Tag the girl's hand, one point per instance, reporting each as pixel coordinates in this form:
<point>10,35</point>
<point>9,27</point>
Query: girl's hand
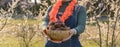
<point>72,32</point>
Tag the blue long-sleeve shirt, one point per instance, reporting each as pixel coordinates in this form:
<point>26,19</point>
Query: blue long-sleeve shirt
<point>80,18</point>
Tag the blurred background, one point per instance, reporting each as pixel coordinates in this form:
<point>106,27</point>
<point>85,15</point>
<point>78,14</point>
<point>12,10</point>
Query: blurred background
<point>21,20</point>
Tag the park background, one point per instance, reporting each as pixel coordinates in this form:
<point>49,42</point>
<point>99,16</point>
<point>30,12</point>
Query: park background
<point>21,23</point>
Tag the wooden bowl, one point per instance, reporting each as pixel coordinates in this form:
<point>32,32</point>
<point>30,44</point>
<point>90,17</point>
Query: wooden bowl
<point>57,35</point>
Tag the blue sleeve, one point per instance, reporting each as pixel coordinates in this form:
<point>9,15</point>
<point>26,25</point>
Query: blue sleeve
<point>81,19</point>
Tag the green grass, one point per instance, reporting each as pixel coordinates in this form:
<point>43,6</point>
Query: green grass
<point>29,21</point>
<point>9,40</point>
<point>12,41</point>
<point>90,43</point>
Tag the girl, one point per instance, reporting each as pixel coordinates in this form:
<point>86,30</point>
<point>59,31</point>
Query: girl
<point>73,15</point>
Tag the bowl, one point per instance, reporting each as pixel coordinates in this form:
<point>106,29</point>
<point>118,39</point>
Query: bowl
<point>57,35</point>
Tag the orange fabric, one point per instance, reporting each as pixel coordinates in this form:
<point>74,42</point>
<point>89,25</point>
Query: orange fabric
<point>67,13</point>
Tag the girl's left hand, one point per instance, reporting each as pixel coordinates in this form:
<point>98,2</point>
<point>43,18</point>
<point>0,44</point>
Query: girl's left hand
<point>72,32</point>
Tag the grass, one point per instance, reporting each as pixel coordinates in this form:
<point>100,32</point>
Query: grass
<point>9,39</point>
<point>29,21</point>
<point>12,41</point>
